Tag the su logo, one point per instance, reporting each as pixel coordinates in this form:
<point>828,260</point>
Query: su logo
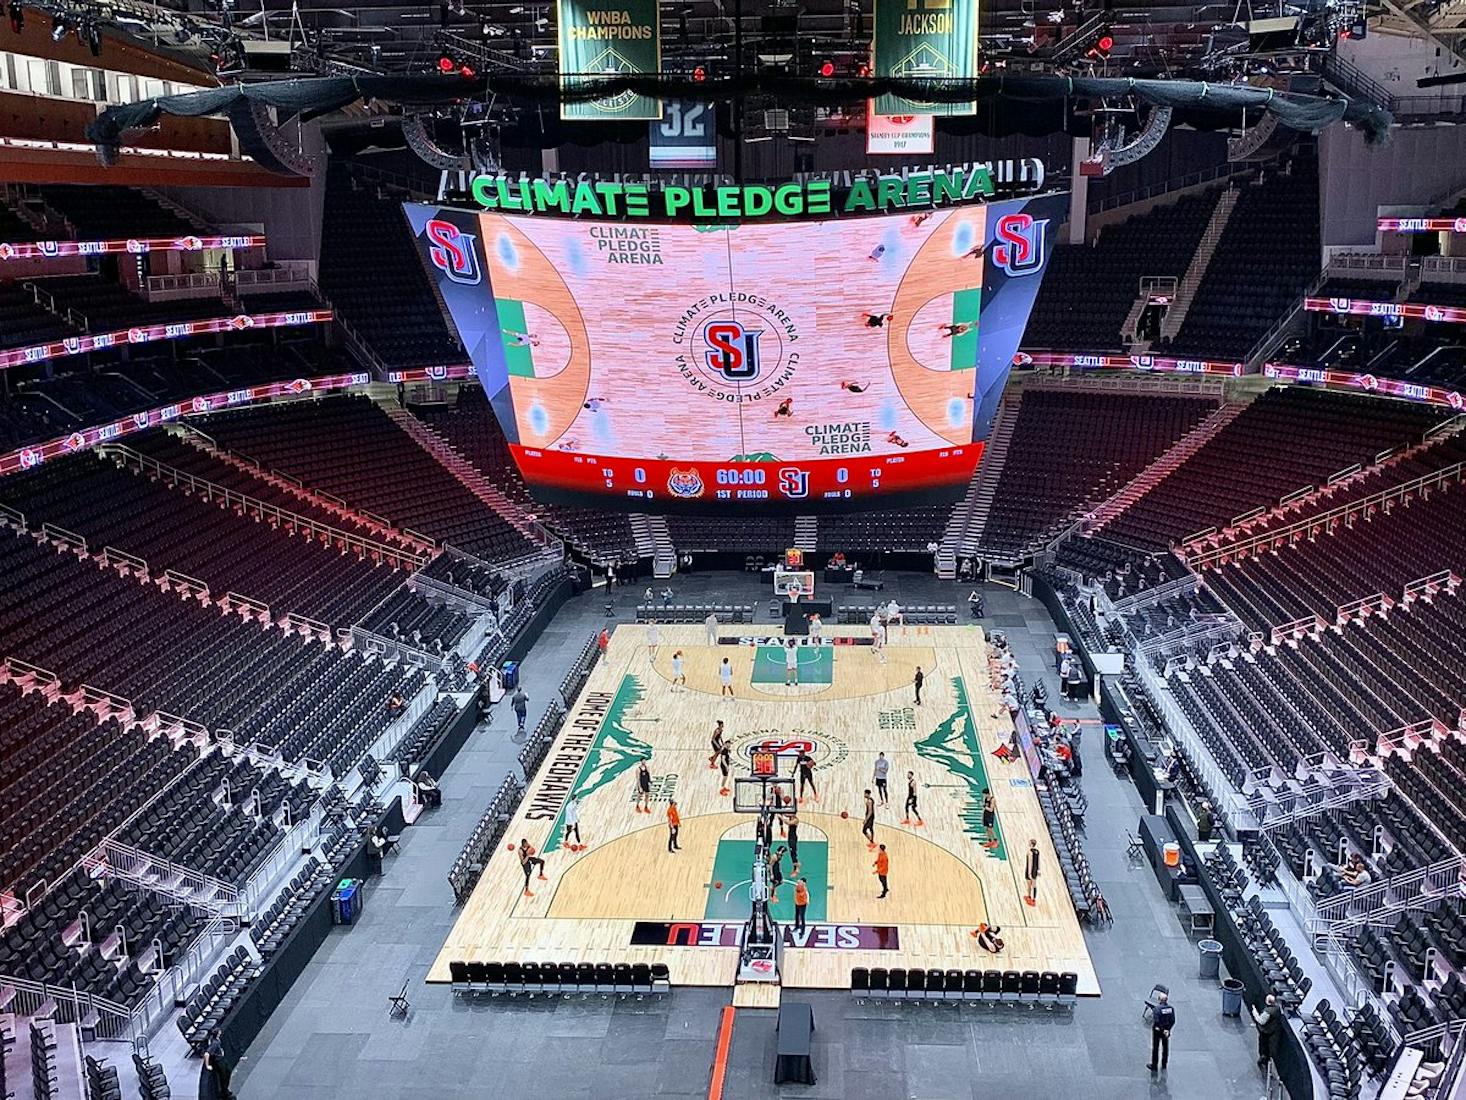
<point>1018,243</point>
<point>452,252</point>
<point>732,350</point>
<point>794,482</point>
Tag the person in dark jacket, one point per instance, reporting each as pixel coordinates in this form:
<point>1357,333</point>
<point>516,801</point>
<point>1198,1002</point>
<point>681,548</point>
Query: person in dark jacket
<point>1269,1020</point>
<point>1205,823</point>
<point>215,1072</point>
<point>1030,873</point>
<point>1161,1023</point>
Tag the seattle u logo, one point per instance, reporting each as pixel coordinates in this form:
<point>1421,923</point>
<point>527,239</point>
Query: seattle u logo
<point>732,350</point>
<point>452,252</point>
<point>1019,244</point>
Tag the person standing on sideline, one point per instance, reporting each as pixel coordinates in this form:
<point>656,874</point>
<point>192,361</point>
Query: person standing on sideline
<point>989,818</point>
<point>868,825</point>
<point>521,706</point>
<point>572,825</point>
<point>1161,1023</point>
<point>1030,872</point>
<point>603,641</point>
<point>643,787</point>
<point>1205,823</point>
<point>791,664</point>
<point>725,674</point>
<point>1269,1022</point>
<point>725,765</point>
<point>806,776</point>
<point>653,637</point>
<point>674,822</point>
<point>711,622</point>
<point>679,675</point>
<point>917,681</point>
<point>529,861</point>
<point>717,743</point>
<point>882,772</point>
<point>883,869</point>
<point>792,823</point>
<point>911,810</point>
<point>801,903</point>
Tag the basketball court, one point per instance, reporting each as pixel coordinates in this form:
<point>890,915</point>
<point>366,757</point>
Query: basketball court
<point>626,898</point>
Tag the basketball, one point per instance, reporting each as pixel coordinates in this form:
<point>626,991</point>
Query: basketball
<point>508,847</point>
<point>844,814</point>
<point>717,886</point>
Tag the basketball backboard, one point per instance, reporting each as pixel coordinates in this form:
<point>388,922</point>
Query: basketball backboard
<point>752,792</point>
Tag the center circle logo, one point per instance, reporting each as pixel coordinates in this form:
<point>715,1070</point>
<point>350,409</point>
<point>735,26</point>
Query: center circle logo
<point>736,347</point>
<point>826,749</point>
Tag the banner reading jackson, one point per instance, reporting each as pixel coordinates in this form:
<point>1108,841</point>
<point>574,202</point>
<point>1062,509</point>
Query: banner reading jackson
<point>609,38</point>
<point>925,40</point>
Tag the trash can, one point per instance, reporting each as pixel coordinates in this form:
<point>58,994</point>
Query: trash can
<point>1231,997</point>
<point>346,901</point>
<point>510,673</point>
<point>1211,958</point>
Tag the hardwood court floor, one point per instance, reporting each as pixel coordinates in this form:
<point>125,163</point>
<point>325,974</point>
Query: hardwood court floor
<point>943,880</point>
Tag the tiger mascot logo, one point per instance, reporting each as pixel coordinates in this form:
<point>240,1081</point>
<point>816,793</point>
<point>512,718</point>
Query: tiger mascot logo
<point>684,483</point>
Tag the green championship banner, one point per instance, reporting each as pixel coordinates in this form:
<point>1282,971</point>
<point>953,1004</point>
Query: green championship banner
<point>609,38</point>
<point>924,40</point>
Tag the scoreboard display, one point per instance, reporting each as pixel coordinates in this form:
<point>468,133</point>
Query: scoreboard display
<point>804,365</point>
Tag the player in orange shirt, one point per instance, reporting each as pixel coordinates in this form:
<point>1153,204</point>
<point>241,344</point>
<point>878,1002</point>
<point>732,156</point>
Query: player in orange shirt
<point>674,822</point>
<point>801,903</point>
<point>883,868</point>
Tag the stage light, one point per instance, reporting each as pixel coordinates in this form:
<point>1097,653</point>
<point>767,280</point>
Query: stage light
<point>467,71</point>
<point>699,74</point>
<point>60,29</point>
<point>864,69</point>
<point>827,68</point>
<point>446,64</point>
<point>1105,44</point>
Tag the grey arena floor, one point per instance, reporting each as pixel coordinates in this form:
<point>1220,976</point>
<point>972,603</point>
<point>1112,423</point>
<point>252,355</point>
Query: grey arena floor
<point>332,1037</point>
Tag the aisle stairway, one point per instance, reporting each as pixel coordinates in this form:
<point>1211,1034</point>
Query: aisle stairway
<point>1162,467</point>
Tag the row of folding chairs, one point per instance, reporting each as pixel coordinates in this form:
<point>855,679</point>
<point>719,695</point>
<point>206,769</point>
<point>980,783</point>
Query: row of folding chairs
<point>472,978</point>
<point>1013,986</point>
<point>914,615</point>
<point>694,612</point>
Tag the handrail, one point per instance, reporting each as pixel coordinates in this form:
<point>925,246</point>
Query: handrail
<point>12,517</point>
<point>114,1020</point>
<point>1219,555</point>
<point>185,582</point>
<point>1424,884</point>
<point>61,534</point>
<point>364,547</point>
<point>111,555</point>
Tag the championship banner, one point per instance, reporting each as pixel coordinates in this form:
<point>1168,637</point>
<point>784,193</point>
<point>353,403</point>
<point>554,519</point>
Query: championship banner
<point>609,38</point>
<point>899,135</point>
<point>924,40</point>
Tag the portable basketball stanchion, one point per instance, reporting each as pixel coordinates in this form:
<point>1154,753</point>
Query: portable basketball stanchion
<point>760,954</point>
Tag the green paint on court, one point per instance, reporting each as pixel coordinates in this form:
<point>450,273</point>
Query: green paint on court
<point>733,867</point>
<point>966,306</point>
<point>954,744</point>
<point>520,359</point>
<point>614,751</point>
<point>816,664</point>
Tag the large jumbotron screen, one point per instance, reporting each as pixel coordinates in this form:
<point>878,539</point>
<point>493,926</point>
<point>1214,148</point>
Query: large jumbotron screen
<point>808,364</point>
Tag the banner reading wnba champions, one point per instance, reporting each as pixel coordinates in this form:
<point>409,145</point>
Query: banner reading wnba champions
<point>609,38</point>
<point>924,40</point>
